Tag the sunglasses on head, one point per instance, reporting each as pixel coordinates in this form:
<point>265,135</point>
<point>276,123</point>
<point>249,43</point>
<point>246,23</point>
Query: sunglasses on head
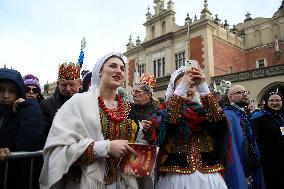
<point>137,91</point>
<point>241,93</point>
<point>34,90</point>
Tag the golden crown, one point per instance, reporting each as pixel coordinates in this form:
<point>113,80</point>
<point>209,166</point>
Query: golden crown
<point>69,71</point>
<point>147,79</point>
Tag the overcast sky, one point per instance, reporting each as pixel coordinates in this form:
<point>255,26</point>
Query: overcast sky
<point>37,35</point>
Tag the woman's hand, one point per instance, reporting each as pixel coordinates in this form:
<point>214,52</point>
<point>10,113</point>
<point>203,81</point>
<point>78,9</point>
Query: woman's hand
<point>146,125</point>
<point>16,104</point>
<point>120,148</point>
<point>4,152</point>
<point>129,171</point>
<point>197,75</point>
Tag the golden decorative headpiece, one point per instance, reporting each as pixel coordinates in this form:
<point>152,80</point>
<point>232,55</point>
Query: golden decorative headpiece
<point>147,80</point>
<point>69,71</point>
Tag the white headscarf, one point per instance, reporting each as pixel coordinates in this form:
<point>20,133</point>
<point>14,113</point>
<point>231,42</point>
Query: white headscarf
<point>170,89</point>
<point>98,66</point>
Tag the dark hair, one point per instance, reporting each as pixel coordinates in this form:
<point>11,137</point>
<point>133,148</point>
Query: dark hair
<point>86,82</point>
<point>40,97</point>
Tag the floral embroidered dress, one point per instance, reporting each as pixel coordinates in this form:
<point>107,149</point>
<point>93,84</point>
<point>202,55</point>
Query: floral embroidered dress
<point>192,145</point>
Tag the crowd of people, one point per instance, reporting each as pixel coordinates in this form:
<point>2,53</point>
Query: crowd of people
<point>205,140</point>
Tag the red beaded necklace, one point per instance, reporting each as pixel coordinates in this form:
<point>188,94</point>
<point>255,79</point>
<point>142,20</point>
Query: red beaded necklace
<point>110,115</point>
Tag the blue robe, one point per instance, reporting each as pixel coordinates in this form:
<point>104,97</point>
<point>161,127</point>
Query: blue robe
<point>234,169</point>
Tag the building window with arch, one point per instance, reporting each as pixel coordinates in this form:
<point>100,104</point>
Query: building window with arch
<point>180,59</point>
<point>141,69</point>
<point>261,63</point>
<point>163,27</point>
<point>159,67</point>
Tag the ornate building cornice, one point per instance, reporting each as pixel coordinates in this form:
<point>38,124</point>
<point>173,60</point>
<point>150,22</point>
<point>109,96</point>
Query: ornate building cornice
<point>251,74</point>
<point>157,18</point>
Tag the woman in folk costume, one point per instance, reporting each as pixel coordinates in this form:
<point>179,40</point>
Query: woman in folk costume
<point>90,133</point>
<point>190,136</point>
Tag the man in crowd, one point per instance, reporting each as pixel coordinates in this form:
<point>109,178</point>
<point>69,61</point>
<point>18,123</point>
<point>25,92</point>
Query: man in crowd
<point>144,105</point>
<point>143,97</point>
<point>21,128</point>
<point>243,168</point>
<point>68,84</point>
<point>145,108</point>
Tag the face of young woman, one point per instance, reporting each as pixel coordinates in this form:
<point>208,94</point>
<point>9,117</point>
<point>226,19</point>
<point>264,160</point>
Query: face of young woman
<point>191,91</point>
<point>112,73</point>
<point>275,102</point>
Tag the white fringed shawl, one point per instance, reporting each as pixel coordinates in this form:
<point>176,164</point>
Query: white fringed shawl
<point>75,126</point>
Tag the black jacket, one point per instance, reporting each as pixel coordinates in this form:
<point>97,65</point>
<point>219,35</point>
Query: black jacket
<point>49,108</point>
<point>271,146</point>
<point>21,131</point>
<point>146,112</point>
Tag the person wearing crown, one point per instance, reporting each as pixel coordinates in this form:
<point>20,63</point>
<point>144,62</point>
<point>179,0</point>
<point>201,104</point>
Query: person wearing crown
<point>91,132</point>
<point>268,125</point>
<point>144,105</point>
<point>191,136</point>
<point>145,108</point>
<point>68,84</point>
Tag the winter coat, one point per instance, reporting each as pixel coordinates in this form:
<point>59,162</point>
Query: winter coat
<point>21,131</point>
<point>49,108</point>
<point>267,126</point>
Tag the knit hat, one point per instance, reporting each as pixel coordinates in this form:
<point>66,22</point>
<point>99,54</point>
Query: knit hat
<point>30,79</point>
<point>98,66</point>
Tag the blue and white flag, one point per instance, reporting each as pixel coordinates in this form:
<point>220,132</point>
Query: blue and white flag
<point>81,56</point>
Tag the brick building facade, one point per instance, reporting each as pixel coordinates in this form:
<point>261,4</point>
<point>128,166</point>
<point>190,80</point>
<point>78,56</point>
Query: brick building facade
<point>248,53</point>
